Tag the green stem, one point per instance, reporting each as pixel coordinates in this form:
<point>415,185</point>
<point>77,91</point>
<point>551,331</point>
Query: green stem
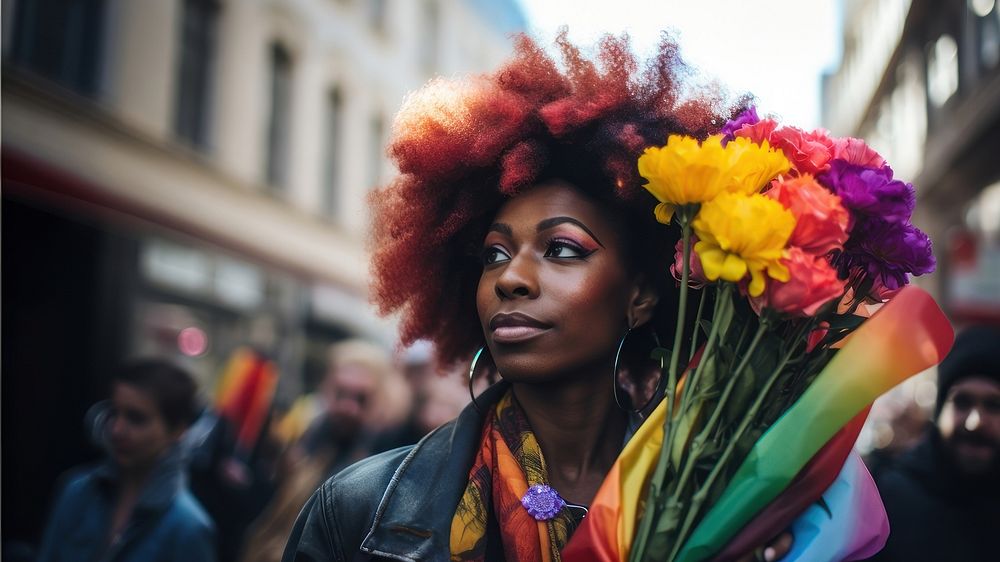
<point>675,353</point>
<point>697,324</point>
<point>699,498</point>
<point>698,444</point>
<point>651,508</point>
<point>722,304</point>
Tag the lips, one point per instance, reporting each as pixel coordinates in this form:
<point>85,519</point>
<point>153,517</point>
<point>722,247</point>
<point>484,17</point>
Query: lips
<point>515,327</point>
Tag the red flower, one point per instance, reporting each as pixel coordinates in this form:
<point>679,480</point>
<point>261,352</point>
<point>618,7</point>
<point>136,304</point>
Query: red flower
<point>810,153</point>
<point>813,283</point>
<point>758,132</point>
<point>820,218</point>
<point>696,276</point>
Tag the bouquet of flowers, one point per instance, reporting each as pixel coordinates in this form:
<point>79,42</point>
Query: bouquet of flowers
<point>799,247</point>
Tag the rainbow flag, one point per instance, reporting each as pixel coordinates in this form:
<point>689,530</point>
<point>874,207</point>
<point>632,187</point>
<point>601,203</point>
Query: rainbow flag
<point>244,395</point>
<point>905,336</point>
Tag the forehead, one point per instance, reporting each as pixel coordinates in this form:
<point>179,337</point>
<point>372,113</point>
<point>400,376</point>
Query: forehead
<point>976,385</point>
<point>552,199</point>
<point>353,376</point>
<point>124,394</point>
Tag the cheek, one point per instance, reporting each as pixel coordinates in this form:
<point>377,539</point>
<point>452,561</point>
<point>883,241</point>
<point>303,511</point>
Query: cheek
<point>946,421</point>
<point>596,300</point>
<point>485,296</point>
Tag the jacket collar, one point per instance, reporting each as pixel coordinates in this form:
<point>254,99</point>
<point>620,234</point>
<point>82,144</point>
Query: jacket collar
<point>413,519</point>
<point>165,481</point>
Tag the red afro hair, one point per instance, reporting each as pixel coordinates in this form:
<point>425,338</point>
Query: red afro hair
<point>465,146</point>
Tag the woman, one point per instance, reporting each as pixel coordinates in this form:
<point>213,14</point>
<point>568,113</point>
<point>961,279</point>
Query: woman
<point>136,505</point>
<point>518,225</point>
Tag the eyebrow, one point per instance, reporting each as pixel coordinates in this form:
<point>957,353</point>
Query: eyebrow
<point>506,230</point>
<point>555,221</point>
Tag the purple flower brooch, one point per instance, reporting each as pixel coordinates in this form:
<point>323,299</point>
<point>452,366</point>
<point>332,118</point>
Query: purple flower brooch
<point>542,502</point>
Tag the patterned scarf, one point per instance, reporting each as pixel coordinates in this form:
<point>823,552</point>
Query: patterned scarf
<point>508,463</point>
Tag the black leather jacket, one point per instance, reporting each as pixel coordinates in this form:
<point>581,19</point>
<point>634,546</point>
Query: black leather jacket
<point>397,505</point>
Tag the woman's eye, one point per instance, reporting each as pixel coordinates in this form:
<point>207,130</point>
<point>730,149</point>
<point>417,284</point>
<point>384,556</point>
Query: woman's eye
<point>493,255</point>
<point>559,249</point>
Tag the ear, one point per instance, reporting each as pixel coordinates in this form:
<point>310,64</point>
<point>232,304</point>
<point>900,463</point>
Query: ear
<point>642,303</point>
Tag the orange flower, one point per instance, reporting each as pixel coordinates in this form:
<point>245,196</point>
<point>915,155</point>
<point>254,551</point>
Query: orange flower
<point>812,283</point>
<point>820,219</point>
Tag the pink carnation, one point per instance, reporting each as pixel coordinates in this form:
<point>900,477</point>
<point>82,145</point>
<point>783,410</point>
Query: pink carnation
<point>856,152</point>
<point>758,132</point>
<point>820,218</point>
<point>813,283</point>
<point>696,276</point>
<point>810,153</point>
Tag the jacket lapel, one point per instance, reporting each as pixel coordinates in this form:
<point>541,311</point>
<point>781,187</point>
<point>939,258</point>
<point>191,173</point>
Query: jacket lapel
<point>413,520</point>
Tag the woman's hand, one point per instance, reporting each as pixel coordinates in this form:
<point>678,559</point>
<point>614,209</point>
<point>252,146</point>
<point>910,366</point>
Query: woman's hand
<point>775,550</point>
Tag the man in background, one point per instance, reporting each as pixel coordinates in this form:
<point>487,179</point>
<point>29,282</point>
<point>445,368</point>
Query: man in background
<point>943,496</point>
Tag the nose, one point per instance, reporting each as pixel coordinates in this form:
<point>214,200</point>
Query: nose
<point>518,279</point>
<point>116,426</point>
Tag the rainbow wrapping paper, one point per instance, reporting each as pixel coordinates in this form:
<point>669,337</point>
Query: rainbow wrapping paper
<point>907,335</point>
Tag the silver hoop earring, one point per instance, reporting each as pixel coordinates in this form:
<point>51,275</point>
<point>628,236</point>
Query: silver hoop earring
<point>614,369</point>
<point>614,375</point>
<point>472,375</point>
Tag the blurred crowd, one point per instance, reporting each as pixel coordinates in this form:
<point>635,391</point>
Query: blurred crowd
<point>225,481</point>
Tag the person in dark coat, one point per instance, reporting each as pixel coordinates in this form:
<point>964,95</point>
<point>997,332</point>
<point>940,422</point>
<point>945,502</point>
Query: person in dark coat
<point>136,505</point>
<point>943,496</point>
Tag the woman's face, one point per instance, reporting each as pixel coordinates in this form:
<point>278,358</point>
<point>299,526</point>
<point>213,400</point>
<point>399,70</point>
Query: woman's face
<point>140,435</point>
<point>554,294</point>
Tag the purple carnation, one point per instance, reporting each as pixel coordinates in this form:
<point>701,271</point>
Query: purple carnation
<point>747,117</point>
<point>889,250</point>
<point>870,191</point>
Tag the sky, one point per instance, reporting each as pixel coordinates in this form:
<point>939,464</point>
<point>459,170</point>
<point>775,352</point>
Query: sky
<point>775,49</point>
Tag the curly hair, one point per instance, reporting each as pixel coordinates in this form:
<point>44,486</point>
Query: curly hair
<point>463,147</point>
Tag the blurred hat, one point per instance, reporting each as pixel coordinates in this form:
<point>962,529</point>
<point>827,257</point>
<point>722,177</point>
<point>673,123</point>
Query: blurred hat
<point>976,353</point>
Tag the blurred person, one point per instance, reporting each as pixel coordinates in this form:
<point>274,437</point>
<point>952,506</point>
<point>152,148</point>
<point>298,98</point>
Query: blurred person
<point>437,399</point>
<point>355,380</point>
<point>234,465</point>
<point>350,392</point>
<point>943,496</point>
<point>908,426</point>
<point>136,506</point>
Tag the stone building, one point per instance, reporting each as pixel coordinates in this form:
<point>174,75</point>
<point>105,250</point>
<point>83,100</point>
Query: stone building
<point>184,177</point>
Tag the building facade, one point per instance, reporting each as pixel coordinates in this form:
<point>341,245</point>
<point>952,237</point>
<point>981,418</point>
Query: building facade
<point>185,177</point>
<point>920,81</point>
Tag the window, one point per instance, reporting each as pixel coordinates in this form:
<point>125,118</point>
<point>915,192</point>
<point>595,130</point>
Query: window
<point>197,58</point>
<point>987,25</point>
<point>431,32</point>
<point>942,70</point>
<point>332,150</point>
<point>375,151</point>
<point>61,40</point>
<point>279,121</point>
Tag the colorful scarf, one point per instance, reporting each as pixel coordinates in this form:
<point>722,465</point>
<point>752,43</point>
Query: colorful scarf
<point>509,461</point>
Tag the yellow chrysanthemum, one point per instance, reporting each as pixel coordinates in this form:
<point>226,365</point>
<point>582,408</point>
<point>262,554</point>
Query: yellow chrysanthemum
<point>685,172</point>
<point>740,234</point>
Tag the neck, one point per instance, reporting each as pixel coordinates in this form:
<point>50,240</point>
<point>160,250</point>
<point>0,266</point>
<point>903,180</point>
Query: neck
<point>580,431</point>
<point>134,478</point>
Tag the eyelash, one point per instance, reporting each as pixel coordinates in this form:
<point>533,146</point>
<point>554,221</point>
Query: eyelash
<point>582,253</point>
<point>550,246</point>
